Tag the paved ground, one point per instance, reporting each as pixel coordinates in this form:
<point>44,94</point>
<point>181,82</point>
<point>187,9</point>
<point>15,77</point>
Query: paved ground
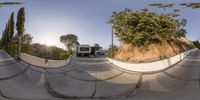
<point>86,78</point>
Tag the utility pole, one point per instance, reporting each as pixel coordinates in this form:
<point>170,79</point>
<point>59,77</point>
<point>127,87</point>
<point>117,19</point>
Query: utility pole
<point>112,42</point>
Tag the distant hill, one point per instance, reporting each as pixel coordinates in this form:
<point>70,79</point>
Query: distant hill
<point>153,52</point>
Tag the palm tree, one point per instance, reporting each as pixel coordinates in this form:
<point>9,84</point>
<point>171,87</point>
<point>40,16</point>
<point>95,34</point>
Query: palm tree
<point>10,3</point>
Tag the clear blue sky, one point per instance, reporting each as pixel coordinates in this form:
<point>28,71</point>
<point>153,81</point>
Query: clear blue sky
<point>47,20</point>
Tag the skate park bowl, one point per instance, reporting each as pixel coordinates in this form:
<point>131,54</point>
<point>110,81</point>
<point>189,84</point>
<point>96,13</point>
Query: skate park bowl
<point>89,78</point>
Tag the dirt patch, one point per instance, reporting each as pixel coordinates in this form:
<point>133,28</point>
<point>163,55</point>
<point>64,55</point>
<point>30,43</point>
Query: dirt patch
<point>153,52</point>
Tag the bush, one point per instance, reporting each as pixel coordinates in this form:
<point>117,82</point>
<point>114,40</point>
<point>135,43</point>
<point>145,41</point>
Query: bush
<point>13,49</point>
<point>64,55</point>
<point>197,44</point>
<point>109,52</point>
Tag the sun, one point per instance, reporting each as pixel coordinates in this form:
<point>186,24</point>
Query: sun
<point>48,42</point>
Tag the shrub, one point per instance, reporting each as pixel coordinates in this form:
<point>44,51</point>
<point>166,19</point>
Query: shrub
<point>197,44</point>
<point>64,55</point>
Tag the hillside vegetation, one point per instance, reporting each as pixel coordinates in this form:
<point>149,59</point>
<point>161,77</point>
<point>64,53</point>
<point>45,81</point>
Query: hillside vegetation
<point>153,52</point>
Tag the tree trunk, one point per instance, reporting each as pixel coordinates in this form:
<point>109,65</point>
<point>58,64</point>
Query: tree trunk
<point>19,48</point>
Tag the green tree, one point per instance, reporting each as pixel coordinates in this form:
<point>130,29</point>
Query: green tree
<point>0,43</point>
<point>26,43</point>
<point>197,44</point>
<point>70,41</point>
<point>112,51</point>
<point>141,28</point>
<point>26,39</point>
<point>96,45</point>
<point>12,26</point>
<point>20,26</point>
<point>5,37</point>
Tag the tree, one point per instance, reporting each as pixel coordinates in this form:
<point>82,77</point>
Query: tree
<point>27,39</point>
<point>112,51</point>
<point>141,28</point>
<point>70,41</point>
<point>12,26</point>
<point>197,44</point>
<point>96,45</point>
<point>20,26</point>
<point>7,36</point>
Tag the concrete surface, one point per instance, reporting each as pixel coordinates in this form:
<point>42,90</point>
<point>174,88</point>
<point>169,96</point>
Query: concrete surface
<point>98,79</point>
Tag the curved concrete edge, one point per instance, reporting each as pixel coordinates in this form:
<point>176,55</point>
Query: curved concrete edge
<point>6,58</point>
<point>152,66</point>
<point>40,62</point>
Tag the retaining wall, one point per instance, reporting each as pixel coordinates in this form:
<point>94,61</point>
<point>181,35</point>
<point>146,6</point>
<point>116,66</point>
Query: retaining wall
<point>40,62</point>
<point>152,66</point>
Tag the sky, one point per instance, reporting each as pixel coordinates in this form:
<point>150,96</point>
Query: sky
<point>47,20</point>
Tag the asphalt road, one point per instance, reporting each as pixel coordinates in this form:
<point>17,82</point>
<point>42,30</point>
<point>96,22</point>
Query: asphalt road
<point>91,78</point>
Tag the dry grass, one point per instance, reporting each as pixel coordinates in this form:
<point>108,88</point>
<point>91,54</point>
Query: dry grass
<point>131,53</point>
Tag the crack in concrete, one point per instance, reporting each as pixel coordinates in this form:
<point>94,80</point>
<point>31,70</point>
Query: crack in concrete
<point>95,88</point>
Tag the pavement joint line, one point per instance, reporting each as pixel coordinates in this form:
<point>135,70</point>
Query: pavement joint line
<point>31,68</point>
<point>56,94</point>
<point>15,75</point>
<point>9,64</point>
<point>96,80</point>
<point>16,61</point>
<point>123,70</point>
<point>134,91</point>
<point>181,79</point>
<point>199,78</point>
<point>95,88</point>
<point>13,98</point>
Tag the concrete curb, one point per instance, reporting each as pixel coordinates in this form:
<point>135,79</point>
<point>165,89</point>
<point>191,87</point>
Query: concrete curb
<point>47,67</point>
<point>155,66</point>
